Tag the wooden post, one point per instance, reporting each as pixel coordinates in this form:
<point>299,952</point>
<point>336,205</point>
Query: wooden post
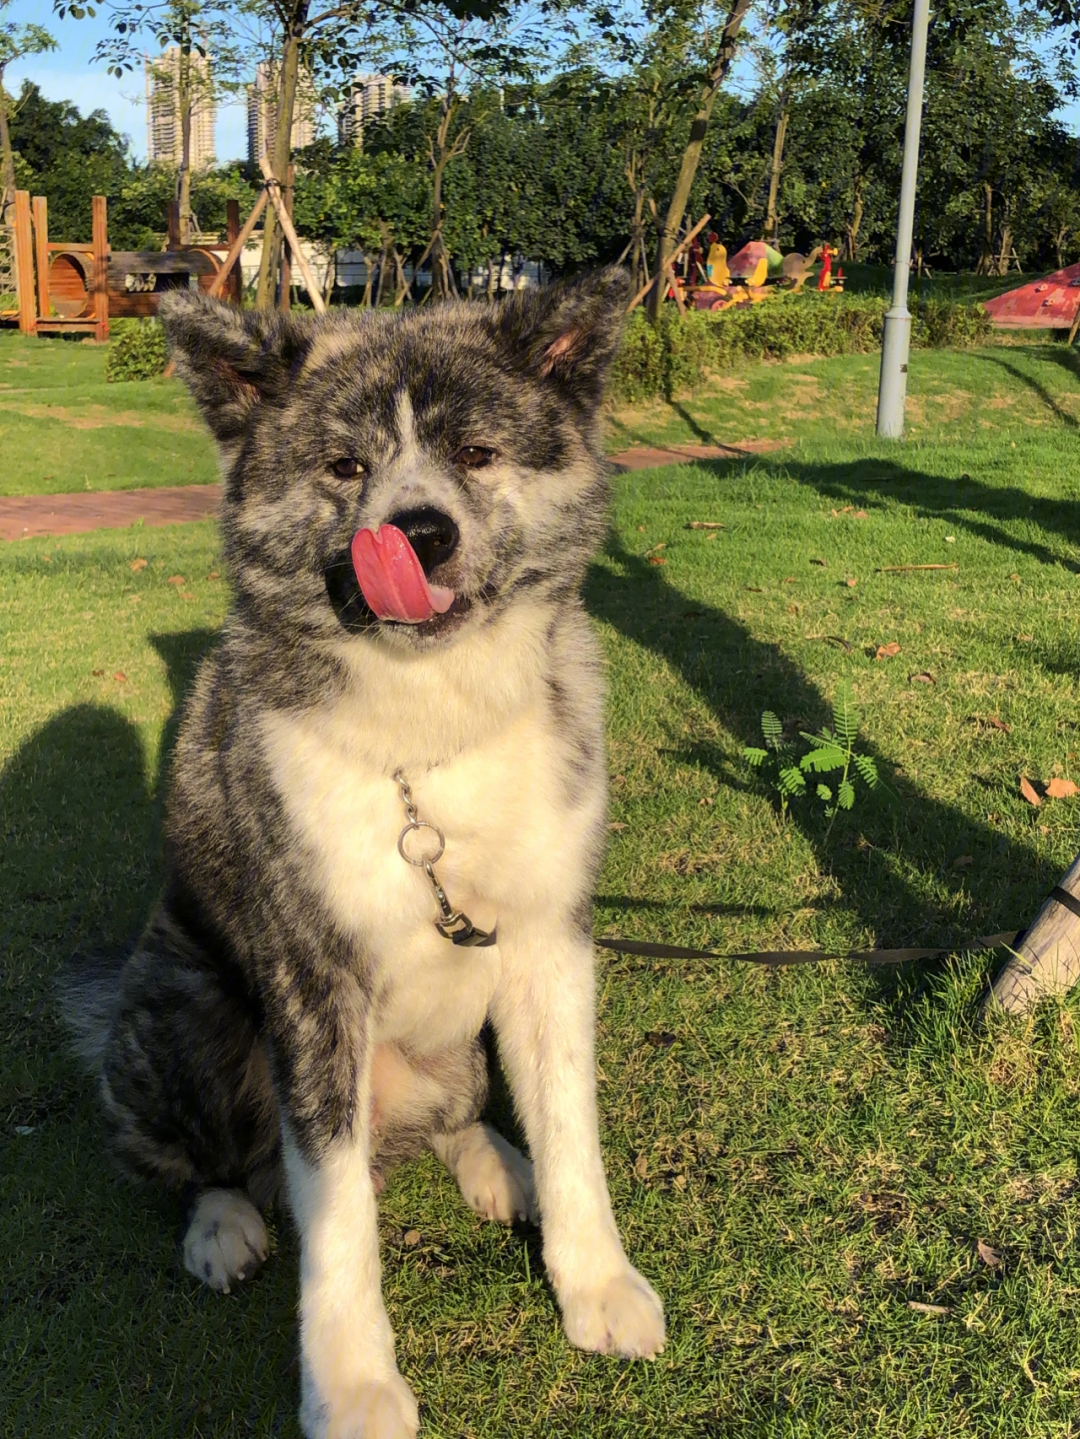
<point>1047,961</point>
<point>24,263</point>
<point>100,239</point>
<point>285,292</point>
<point>40,208</point>
<point>172,220</point>
<point>235,282</point>
<point>232,259</point>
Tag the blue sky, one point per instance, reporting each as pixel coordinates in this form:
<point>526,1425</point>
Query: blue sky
<point>68,74</point>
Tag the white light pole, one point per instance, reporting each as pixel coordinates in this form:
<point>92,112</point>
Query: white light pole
<point>892,387</point>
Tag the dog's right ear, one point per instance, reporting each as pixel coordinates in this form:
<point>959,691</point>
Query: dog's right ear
<point>233,361</point>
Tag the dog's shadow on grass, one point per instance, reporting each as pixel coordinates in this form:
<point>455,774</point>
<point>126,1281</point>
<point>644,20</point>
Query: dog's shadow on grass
<point>80,817</point>
<point>906,845</point>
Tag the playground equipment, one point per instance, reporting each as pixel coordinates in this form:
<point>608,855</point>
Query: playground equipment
<point>76,288</point>
<point>66,288</point>
<point>1052,303</point>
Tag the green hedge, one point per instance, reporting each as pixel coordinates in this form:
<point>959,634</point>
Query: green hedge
<point>682,351</point>
<point>137,350</point>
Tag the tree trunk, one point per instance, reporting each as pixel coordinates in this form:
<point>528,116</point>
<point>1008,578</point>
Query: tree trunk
<point>442,150</point>
<point>282,156</point>
<point>1006,246</point>
<point>856,219</point>
<point>718,69</point>
<point>986,258</point>
<point>7,159</point>
<point>183,178</point>
<point>1047,960</point>
<point>772,217</point>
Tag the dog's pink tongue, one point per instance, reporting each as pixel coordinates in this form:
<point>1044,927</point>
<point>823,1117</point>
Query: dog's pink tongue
<point>392,578</point>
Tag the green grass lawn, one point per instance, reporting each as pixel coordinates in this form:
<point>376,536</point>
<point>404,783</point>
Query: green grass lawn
<point>62,428</point>
<point>796,1157</point>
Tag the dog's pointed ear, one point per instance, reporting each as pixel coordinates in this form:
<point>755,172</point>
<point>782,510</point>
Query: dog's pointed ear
<point>569,333</point>
<point>233,361</point>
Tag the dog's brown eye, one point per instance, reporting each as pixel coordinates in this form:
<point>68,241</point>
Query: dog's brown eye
<point>347,469</point>
<point>474,457</point>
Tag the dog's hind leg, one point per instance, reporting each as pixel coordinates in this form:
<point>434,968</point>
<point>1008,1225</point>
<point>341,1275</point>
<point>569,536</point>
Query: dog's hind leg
<point>226,1240</point>
<point>495,1179</point>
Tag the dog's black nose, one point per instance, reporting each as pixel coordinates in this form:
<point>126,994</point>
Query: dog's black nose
<point>432,534</point>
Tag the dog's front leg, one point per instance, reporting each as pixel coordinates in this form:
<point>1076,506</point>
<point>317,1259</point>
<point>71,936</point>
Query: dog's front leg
<point>543,1014</point>
<point>350,1385</point>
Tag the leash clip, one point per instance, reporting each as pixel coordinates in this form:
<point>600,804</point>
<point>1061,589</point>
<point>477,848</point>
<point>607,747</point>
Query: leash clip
<point>453,924</point>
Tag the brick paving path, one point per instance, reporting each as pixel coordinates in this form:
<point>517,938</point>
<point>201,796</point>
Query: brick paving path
<point>24,516</point>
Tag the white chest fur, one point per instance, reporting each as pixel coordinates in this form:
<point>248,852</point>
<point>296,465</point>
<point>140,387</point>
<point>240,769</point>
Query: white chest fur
<point>515,840</point>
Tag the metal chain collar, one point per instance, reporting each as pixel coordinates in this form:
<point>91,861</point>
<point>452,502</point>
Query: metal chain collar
<point>452,924</point>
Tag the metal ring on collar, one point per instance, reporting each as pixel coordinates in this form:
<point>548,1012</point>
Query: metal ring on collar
<point>427,859</point>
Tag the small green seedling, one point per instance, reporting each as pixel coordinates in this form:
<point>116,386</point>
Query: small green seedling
<point>833,751</point>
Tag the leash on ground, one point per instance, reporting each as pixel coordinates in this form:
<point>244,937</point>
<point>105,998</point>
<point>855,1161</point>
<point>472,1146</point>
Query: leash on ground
<point>777,958</point>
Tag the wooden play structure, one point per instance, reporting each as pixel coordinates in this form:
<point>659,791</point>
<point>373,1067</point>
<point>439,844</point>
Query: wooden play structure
<point>72,288</point>
<point>68,287</point>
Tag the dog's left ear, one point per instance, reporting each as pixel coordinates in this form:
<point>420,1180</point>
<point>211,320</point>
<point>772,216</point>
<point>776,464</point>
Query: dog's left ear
<point>568,333</point>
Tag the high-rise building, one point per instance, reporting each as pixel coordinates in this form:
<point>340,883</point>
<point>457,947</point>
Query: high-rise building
<point>369,95</point>
<point>164,134</point>
<point>262,105</point>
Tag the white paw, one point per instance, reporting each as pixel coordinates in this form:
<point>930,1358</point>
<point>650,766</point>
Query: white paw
<point>496,1180</point>
<point>226,1239</point>
<point>623,1316</point>
<point>379,1410</point>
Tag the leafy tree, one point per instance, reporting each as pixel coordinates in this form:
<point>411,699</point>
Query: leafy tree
<point>16,41</point>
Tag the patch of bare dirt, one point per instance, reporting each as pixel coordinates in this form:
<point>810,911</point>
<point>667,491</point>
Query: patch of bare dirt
<point>98,417</point>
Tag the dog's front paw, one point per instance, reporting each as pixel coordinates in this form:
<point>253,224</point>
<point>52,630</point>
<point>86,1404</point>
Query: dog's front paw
<point>382,1409</point>
<point>623,1316</point>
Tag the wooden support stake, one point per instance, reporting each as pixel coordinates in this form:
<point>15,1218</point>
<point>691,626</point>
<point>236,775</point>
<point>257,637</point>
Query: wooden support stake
<point>679,248</point>
<point>273,187</point>
<point>237,245</point>
<point>24,263</point>
<point>40,207</point>
<point>100,236</point>
<point>232,230</point>
<point>285,283</point>
<point>1048,959</point>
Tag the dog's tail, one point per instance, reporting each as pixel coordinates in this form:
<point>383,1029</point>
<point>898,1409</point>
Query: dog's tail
<point>88,994</point>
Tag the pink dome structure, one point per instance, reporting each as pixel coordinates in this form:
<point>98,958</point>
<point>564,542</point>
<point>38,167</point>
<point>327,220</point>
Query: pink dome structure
<point>1049,304</point>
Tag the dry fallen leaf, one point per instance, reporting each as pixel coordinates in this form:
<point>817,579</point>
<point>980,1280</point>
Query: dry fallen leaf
<point>657,560</point>
<point>653,548</point>
<point>213,575</point>
<point>851,584</point>
<point>706,525</point>
<point>962,861</point>
<point>1029,792</point>
<point>641,529</point>
<point>990,1257</point>
<point>924,677</point>
<point>616,824</point>
<point>706,800</point>
<point>411,1237</point>
<point>790,580</point>
<point>1025,639</point>
<point>928,1308</point>
<point>1014,577</point>
<point>679,1181</point>
<point>138,564</point>
<point>861,515</point>
<point>999,724</point>
<point>641,1166</point>
<point>175,580</point>
<point>121,677</point>
<point>754,589</point>
<point>886,652</point>
<point>1061,788</point>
